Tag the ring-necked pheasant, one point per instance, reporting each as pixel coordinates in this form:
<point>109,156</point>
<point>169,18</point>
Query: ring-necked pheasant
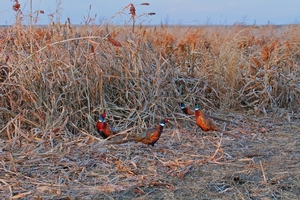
<point>206,123</point>
<point>103,127</point>
<point>188,111</point>
<point>149,136</point>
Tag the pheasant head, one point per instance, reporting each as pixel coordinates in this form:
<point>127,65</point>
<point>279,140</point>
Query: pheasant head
<point>102,117</point>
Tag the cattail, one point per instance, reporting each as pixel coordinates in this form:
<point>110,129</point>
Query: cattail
<point>145,4</point>
<point>92,49</point>
<point>265,53</point>
<point>16,6</point>
<point>42,12</point>
<point>151,13</point>
<point>132,10</point>
<point>114,42</point>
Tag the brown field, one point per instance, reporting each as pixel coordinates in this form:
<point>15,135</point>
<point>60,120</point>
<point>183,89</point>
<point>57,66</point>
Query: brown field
<point>56,80</point>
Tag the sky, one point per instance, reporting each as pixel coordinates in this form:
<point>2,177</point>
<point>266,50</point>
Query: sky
<point>171,12</point>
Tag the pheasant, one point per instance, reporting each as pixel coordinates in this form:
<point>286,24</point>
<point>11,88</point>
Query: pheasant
<point>206,123</point>
<point>149,137</point>
<point>188,111</point>
<point>103,127</point>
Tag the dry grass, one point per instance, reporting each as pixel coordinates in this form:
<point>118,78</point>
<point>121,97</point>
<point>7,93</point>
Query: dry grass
<point>56,81</point>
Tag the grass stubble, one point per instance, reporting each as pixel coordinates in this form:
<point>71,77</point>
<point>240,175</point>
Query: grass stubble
<point>57,80</point>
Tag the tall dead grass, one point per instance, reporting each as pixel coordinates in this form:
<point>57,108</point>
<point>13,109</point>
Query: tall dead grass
<point>140,77</point>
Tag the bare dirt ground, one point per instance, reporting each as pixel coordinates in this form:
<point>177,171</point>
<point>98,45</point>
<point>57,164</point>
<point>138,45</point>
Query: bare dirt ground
<point>263,163</point>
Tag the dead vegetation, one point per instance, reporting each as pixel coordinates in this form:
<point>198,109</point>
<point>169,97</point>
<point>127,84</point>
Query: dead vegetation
<point>56,81</point>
